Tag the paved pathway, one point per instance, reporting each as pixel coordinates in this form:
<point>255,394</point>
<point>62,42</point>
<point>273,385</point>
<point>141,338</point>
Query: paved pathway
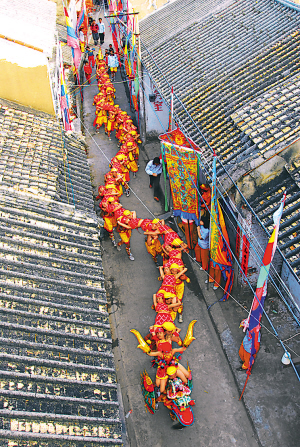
<point>220,419</point>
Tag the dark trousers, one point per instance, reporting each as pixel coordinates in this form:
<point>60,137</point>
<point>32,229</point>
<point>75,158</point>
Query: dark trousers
<point>101,35</point>
<point>154,181</point>
<point>96,38</point>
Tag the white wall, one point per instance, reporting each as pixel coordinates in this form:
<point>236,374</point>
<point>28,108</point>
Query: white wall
<point>156,113</point>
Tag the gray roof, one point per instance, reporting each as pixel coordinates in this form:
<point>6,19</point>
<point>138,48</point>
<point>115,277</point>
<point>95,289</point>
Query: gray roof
<point>175,17</point>
<point>39,159</point>
<point>57,372</point>
<point>266,203</point>
<point>223,63</point>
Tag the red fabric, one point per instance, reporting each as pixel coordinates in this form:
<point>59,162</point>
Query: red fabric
<point>164,346</point>
<point>87,69</point>
<point>169,238</point>
<point>146,225</point>
<point>92,61</point>
<point>163,317</point>
<point>134,223</point>
<point>174,253</point>
<point>119,212</point>
<point>202,256</point>
<point>95,28</point>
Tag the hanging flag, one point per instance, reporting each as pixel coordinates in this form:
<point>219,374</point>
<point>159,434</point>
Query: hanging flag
<point>171,112</point>
<point>252,323</point>
<point>81,17</point>
<point>72,40</point>
<point>64,100</point>
<point>220,254</point>
<point>180,156</point>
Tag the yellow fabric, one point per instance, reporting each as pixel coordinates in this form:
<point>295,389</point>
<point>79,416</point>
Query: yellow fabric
<point>169,326</point>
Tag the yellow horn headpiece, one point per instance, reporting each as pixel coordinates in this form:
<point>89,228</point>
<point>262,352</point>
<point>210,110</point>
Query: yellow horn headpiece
<point>142,344</point>
<point>189,334</point>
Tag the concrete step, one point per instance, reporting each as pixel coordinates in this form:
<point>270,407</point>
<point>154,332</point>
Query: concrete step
<point>44,208</point>
<point>60,386</point>
<point>38,437</point>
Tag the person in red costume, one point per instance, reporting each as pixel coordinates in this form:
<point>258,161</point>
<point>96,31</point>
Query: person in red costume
<point>87,71</point>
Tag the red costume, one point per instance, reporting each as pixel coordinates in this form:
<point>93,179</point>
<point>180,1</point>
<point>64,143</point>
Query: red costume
<point>88,71</point>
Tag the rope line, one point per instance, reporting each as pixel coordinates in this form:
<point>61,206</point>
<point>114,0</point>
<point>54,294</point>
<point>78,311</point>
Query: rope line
<point>275,332</point>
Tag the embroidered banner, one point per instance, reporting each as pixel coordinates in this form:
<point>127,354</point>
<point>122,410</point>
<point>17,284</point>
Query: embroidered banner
<point>182,166</point>
<point>245,254</point>
<point>219,242</point>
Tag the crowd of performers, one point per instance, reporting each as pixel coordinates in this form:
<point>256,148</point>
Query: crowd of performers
<point>173,380</point>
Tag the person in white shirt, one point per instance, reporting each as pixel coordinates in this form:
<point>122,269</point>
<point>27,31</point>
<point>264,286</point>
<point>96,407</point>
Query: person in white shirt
<point>154,170</point>
<point>113,64</point>
<point>101,31</point>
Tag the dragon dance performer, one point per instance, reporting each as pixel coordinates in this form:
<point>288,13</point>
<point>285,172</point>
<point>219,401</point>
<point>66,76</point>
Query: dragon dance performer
<point>133,137</point>
<point>149,226</point>
<point>101,115</point>
<point>120,161</point>
<point>168,285</point>
<point>127,149</point>
<point>113,176</point>
<point>162,309</point>
<point>153,247</point>
<point>109,206</point>
<point>170,236</point>
<point>124,231</point>
<point>166,354</point>
<point>112,112</point>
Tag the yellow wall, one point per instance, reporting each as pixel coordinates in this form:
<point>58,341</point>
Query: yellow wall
<point>29,86</point>
<point>141,6</point>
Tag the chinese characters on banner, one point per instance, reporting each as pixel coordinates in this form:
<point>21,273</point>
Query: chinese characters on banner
<point>245,255</point>
<point>158,101</point>
<point>243,244</point>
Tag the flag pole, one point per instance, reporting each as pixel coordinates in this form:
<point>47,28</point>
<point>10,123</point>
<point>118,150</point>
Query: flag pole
<point>261,289</point>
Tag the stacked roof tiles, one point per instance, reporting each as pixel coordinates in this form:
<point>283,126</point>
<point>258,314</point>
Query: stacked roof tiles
<point>267,203</point>
<point>57,375</point>
<point>234,56</point>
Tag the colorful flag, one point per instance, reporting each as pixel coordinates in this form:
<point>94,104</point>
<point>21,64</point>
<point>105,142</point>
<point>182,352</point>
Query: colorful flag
<point>220,254</point>
<point>72,40</point>
<point>180,155</point>
<point>81,17</point>
<point>252,323</point>
<point>171,112</point>
<point>64,100</point>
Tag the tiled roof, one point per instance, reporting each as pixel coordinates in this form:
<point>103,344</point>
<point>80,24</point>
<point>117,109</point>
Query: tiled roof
<point>175,17</point>
<point>266,204</point>
<point>272,119</point>
<point>222,64</point>
<point>57,374</point>
<point>35,160</point>
<point>30,21</point>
